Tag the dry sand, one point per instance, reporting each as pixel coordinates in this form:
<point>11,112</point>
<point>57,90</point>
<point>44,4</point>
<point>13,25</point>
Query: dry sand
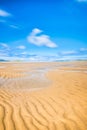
<point>43,96</point>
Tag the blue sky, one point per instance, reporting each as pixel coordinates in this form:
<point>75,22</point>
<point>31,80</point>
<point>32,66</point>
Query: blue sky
<point>43,30</point>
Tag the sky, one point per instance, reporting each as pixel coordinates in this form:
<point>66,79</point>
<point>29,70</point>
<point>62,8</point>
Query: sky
<point>43,30</point>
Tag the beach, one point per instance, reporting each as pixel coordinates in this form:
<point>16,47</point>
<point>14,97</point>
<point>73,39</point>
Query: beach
<point>43,96</point>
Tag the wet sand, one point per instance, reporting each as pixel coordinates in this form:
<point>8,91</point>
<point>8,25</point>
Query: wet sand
<point>43,96</point>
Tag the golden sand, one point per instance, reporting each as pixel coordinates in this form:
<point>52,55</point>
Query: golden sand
<point>43,96</point>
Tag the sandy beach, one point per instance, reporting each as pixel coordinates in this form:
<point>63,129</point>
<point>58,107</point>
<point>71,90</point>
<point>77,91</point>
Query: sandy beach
<point>43,96</point>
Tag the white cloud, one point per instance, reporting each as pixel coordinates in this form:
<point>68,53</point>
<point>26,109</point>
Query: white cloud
<point>21,47</point>
<point>83,49</point>
<point>3,13</point>
<point>6,14</point>
<point>36,31</point>
<point>81,0</point>
<point>68,52</point>
<point>41,40</point>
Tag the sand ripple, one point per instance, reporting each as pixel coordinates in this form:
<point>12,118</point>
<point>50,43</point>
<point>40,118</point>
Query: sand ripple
<point>60,106</point>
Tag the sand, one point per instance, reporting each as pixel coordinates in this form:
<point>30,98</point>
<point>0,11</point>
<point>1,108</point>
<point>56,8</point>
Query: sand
<point>43,96</point>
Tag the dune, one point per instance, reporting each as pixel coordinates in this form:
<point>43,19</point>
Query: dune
<point>43,96</point>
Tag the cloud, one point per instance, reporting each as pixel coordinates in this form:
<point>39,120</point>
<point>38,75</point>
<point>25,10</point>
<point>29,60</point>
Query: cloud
<point>41,40</point>
<point>21,47</point>
<point>83,49</point>
<point>4,51</point>
<point>81,0</point>
<point>3,13</point>
<point>68,52</point>
<point>4,46</point>
<point>14,26</point>
<point>72,58</point>
<point>27,56</point>
<point>2,54</point>
<point>38,58</point>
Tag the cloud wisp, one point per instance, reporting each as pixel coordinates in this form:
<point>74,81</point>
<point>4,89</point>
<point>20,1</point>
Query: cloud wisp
<point>4,46</point>
<point>3,13</point>
<point>83,49</point>
<point>21,47</point>
<point>39,39</point>
<point>14,26</point>
<point>69,52</point>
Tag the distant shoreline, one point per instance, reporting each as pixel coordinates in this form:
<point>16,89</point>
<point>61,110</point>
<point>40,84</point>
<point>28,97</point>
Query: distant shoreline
<point>2,61</point>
